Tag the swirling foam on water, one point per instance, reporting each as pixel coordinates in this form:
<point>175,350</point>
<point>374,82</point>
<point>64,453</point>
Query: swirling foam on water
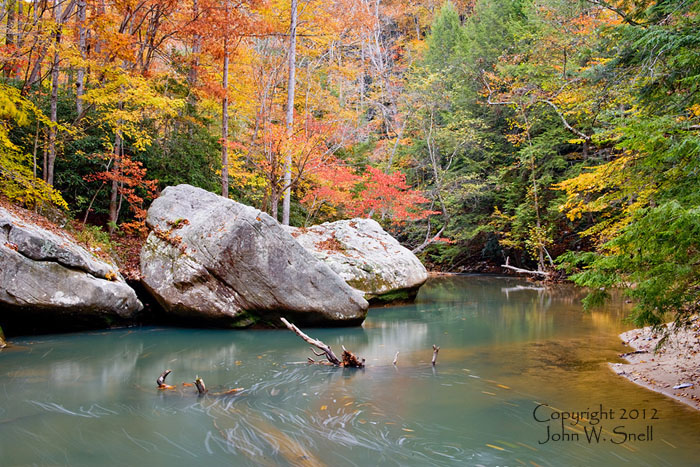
<point>90,398</point>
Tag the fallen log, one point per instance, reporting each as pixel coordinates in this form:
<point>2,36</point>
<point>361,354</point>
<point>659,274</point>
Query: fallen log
<point>349,359</point>
<point>524,271</point>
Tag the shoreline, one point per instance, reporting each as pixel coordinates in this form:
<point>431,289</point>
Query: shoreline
<point>676,363</point>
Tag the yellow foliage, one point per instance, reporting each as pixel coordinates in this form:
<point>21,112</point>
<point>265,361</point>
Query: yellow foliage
<point>17,180</point>
<point>610,191</point>
<point>501,221</point>
<point>125,101</point>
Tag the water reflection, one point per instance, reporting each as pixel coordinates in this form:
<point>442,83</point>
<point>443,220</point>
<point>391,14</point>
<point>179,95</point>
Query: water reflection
<point>505,346</point>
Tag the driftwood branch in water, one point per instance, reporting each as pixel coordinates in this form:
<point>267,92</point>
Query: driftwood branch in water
<point>349,360</point>
<point>524,271</point>
<point>161,380</point>
<point>328,353</point>
<point>396,358</point>
<point>436,349</point>
<point>199,383</point>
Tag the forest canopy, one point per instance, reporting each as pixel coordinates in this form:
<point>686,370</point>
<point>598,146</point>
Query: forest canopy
<point>558,136</point>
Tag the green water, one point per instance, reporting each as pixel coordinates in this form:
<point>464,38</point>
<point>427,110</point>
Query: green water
<point>90,398</point>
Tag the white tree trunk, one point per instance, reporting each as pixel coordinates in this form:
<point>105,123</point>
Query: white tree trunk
<point>290,112</point>
<point>224,123</point>
<point>80,80</point>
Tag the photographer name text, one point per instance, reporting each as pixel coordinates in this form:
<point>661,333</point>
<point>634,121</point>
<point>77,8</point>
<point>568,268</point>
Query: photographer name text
<point>600,425</point>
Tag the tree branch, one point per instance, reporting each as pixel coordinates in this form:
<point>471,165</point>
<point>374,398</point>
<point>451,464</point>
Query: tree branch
<point>566,124</point>
<point>315,342</point>
<point>427,242</point>
<point>617,11</point>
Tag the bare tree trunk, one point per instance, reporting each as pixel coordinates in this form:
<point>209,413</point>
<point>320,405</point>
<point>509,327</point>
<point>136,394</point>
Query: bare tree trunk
<point>113,208</point>
<point>196,49</point>
<point>101,10</point>
<point>362,80</point>
<point>36,69</point>
<point>533,173</point>
<point>224,127</point>
<point>80,80</point>
<point>291,82</point>
<point>396,145</point>
<point>437,169</point>
<point>20,35</point>
<point>54,110</point>
<point>9,35</point>
<point>37,64</point>
<point>60,16</point>
<point>274,204</point>
<point>20,24</point>
<point>36,146</point>
<point>45,153</point>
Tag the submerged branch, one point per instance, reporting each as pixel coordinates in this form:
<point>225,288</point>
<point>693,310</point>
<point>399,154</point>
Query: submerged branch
<point>161,380</point>
<point>315,342</point>
<point>201,388</point>
<point>351,361</point>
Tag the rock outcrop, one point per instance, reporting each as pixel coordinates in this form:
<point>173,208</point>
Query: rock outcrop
<point>45,272</point>
<point>213,259</point>
<point>366,257</point>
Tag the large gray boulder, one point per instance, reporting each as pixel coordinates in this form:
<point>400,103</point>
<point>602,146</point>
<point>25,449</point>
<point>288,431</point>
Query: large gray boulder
<point>47,272</point>
<point>213,259</point>
<point>366,257</point>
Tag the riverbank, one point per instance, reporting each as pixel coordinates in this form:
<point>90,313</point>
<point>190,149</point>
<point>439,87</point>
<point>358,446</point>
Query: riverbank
<point>670,369</point>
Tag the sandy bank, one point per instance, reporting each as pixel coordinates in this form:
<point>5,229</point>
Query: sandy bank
<point>667,370</point>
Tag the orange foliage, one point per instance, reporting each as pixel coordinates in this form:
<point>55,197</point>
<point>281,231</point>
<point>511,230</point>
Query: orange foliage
<point>373,193</point>
<point>133,186</point>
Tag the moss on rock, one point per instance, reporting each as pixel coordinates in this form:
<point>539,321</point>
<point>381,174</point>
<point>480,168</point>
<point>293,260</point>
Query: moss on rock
<point>394,297</point>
